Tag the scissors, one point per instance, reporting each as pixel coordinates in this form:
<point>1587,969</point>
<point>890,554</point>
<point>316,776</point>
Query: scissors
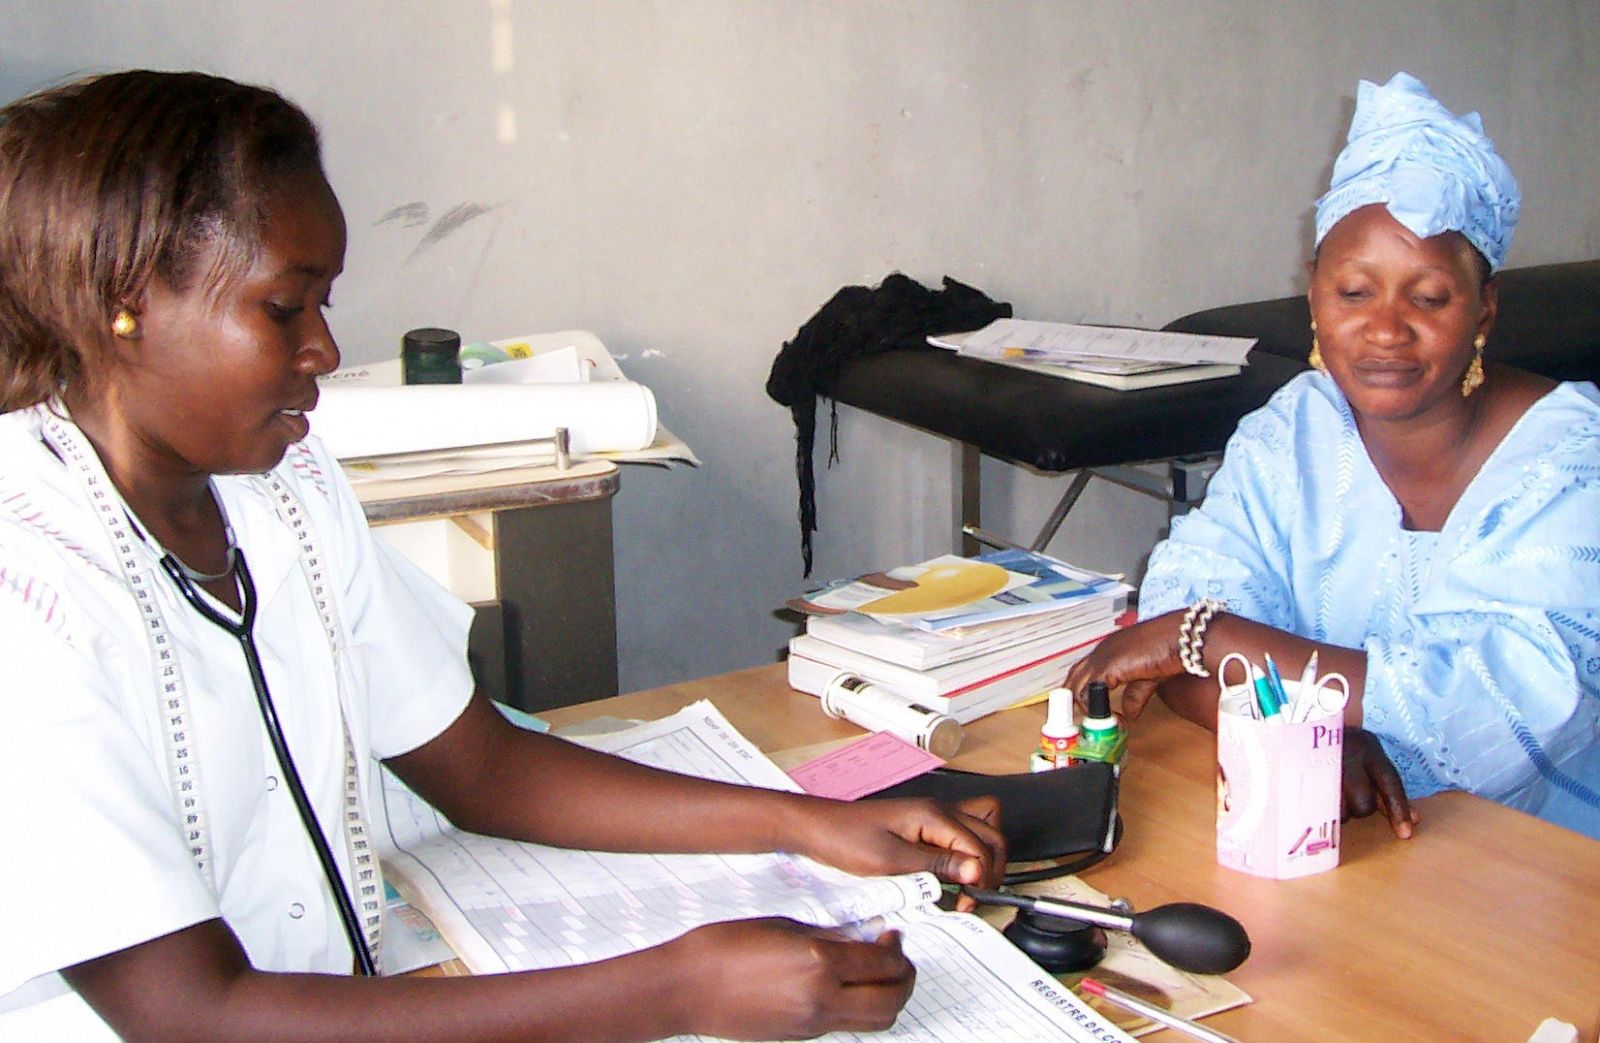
<point>1324,697</point>
<point>1240,698</point>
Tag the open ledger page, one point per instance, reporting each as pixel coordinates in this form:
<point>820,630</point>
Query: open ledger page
<point>507,905</point>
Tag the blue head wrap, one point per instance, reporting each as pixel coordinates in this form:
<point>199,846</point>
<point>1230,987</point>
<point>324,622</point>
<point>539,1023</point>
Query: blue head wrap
<point>1435,172</point>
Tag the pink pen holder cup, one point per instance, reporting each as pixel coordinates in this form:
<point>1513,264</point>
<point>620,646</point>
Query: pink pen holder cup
<point>1278,789</point>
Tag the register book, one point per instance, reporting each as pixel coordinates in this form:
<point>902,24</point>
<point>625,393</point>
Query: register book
<point>507,906</point>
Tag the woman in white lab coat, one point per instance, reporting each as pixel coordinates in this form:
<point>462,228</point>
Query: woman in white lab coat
<point>168,244</point>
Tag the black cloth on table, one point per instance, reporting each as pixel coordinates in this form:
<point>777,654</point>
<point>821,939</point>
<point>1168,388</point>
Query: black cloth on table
<point>860,320</point>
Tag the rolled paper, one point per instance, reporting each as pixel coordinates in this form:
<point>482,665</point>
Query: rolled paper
<point>362,421</point>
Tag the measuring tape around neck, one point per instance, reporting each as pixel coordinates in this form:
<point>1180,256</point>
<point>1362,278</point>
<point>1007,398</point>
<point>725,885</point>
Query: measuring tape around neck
<point>134,556</point>
<point>364,867</point>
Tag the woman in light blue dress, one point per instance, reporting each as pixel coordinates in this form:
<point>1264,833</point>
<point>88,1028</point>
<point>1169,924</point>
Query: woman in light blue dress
<point>1426,522</point>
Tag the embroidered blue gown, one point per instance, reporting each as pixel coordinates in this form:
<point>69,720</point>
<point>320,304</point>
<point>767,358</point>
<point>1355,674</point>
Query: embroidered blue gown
<point>1482,639</point>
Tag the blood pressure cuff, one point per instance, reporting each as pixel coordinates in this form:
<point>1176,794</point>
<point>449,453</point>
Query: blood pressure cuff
<point>1046,814</point>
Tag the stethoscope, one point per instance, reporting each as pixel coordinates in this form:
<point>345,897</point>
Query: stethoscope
<point>244,632</point>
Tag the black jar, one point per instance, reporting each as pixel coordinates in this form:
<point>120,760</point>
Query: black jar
<point>431,356</point>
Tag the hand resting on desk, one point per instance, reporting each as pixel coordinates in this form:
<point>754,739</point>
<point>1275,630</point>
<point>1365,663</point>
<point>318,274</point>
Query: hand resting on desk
<point>1145,659</point>
<point>1371,783</point>
<point>959,845</point>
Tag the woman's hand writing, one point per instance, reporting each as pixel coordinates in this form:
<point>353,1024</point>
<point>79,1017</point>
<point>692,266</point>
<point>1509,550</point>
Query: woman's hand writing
<point>778,979</point>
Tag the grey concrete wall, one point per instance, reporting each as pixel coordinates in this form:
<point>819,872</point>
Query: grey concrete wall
<point>692,179</point>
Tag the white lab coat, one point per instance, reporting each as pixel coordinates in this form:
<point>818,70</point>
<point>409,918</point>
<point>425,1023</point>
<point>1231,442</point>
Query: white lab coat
<point>95,860</point>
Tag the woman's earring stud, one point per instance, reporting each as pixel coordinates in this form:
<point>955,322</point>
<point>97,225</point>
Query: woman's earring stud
<point>124,324</point>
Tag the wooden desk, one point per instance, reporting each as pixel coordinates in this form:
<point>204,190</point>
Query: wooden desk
<point>1476,929</point>
<point>550,637</point>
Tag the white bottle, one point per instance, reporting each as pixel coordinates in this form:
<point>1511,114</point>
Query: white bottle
<point>1058,735</point>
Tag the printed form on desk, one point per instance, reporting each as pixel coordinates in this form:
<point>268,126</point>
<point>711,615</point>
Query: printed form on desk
<point>506,905</point>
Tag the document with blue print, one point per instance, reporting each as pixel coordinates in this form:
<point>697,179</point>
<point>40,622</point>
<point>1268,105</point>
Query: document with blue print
<point>507,906</point>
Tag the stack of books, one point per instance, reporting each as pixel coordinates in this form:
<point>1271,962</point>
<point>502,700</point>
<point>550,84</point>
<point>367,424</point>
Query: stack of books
<point>964,636</point>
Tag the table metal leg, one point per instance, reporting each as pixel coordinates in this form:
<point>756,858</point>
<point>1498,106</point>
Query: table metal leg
<point>969,485</point>
<point>1183,487</point>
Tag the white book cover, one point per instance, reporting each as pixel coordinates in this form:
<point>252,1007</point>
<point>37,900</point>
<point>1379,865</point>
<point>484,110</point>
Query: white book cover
<point>1131,380</point>
<point>813,663</point>
<point>952,677</point>
<point>924,650</point>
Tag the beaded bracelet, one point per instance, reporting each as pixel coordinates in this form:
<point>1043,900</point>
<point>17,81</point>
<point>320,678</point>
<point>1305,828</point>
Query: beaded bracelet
<point>1192,635</point>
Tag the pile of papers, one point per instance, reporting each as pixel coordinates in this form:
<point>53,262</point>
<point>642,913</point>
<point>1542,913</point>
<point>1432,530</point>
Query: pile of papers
<point>964,636</point>
<point>1114,357</point>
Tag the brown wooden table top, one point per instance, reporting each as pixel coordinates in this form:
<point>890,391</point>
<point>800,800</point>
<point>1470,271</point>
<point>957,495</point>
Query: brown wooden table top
<point>441,496</point>
<point>1476,929</point>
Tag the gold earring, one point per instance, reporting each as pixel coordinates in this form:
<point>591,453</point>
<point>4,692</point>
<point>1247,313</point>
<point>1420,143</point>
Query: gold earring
<point>124,324</point>
<point>1474,378</point>
<point>1315,358</point>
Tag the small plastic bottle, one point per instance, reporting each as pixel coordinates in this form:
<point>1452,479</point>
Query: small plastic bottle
<point>1058,735</point>
<point>1100,725</point>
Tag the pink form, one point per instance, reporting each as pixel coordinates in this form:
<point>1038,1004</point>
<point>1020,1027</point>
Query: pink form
<point>866,766</point>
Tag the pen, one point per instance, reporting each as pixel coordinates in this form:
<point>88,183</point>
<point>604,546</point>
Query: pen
<point>1306,693</point>
<point>1258,681</point>
<point>1276,680</point>
<point>1308,676</point>
<point>1153,1012</point>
